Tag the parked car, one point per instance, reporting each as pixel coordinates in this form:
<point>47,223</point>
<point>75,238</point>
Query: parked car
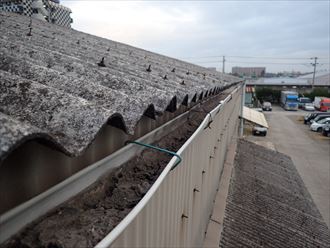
<point>259,130</point>
<point>317,126</point>
<point>319,117</point>
<point>308,107</point>
<point>311,116</point>
<point>267,106</point>
<point>322,103</point>
<point>307,118</point>
<point>302,101</point>
<point>326,130</point>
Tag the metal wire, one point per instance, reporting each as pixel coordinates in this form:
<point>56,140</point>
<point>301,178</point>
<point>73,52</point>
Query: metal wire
<point>179,159</point>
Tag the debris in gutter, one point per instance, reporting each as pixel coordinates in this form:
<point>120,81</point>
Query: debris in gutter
<point>90,216</point>
<point>209,123</point>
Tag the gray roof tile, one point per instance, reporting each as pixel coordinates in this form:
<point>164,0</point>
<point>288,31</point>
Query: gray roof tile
<point>51,85</point>
<point>268,204</point>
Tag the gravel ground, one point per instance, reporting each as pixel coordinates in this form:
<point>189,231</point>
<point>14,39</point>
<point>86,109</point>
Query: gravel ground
<point>85,220</point>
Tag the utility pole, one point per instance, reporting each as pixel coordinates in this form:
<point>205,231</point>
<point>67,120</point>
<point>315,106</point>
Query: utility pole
<point>241,131</point>
<point>314,64</point>
<point>223,64</point>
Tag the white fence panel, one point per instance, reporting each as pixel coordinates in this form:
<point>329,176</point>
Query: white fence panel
<point>175,211</point>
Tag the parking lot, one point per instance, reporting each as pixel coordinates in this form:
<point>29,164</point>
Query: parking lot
<point>310,152</point>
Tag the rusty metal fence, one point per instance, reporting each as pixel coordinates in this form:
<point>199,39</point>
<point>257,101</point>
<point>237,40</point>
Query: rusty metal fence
<point>176,210</point>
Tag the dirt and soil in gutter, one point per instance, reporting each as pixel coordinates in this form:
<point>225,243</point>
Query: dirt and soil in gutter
<point>90,216</point>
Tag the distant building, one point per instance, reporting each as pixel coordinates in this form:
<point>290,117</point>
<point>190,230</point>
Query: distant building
<point>248,71</point>
<point>212,68</point>
<point>47,10</point>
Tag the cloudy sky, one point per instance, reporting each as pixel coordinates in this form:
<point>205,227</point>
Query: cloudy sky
<point>281,35</point>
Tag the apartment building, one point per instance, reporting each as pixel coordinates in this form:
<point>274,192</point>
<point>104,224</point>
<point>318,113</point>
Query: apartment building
<point>47,10</point>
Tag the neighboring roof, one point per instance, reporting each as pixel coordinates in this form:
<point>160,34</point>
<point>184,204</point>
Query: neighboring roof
<point>51,85</point>
<point>277,81</point>
<point>268,204</point>
<point>321,79</point>
<point>317,74</point>
<point>254,117</point>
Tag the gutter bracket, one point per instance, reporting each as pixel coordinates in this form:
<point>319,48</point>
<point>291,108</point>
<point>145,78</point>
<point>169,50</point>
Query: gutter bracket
<point>210,121</point>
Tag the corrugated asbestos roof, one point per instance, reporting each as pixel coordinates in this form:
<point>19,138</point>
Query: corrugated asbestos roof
<point>317,74</point>
<point>268,204</point>
<point>51,85</point>
<point>254,116</point>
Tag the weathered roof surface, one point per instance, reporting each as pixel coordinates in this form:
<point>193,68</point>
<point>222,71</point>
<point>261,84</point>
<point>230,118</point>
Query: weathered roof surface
<point>317,74</point>
<point>51,85</point>
<point>268,204</point>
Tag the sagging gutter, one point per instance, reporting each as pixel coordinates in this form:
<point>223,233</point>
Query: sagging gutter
<point>15,219</point>
<point>114,234</point>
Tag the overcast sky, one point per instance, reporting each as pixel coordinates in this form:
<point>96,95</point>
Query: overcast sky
<point>205,29</point>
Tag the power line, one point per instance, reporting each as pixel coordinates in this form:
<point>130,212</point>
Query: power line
<point>266,57</point>
<point>253,57</point>
<point>203,57</point>
<point>265,63</point>
<point>257,63</point>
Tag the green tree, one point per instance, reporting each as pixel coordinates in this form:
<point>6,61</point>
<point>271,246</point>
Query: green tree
<point>268,94</point>
<point>318,92</point>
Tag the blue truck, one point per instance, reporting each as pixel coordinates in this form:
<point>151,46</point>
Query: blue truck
<point>289,100</point>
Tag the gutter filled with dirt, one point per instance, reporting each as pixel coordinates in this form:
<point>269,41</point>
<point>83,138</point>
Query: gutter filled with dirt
<point>87,218</point>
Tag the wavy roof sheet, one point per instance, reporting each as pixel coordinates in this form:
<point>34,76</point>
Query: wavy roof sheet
<point>51,85</point>
<point>254,116</point>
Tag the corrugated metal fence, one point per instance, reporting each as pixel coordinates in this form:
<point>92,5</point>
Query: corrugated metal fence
<point>176,210</point>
